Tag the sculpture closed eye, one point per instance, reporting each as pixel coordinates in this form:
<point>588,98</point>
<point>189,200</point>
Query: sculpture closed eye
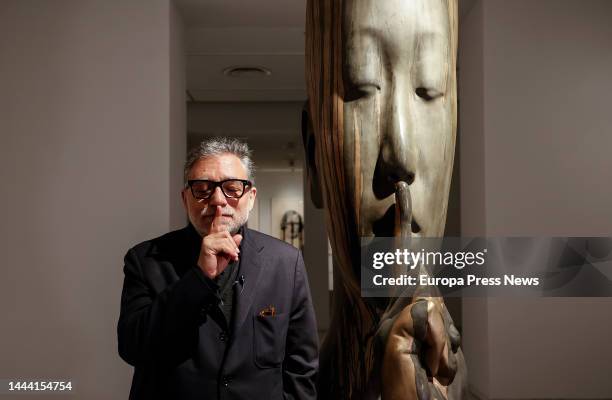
<point>428,94</point>
<point>361,91</point>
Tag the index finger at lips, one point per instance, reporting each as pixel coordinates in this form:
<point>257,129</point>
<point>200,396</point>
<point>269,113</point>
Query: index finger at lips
<point>216,224</point>
<point>403,210</point>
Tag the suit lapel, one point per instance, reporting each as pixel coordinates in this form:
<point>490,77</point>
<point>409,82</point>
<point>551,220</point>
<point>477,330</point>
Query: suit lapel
<point>251,270</point>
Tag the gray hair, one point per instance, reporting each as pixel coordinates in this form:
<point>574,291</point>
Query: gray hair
<point>216,146</point>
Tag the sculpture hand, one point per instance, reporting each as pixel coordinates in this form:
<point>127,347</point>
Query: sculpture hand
<point>420,353</point>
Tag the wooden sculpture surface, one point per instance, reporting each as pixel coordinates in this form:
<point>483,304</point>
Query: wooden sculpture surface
<point>380,139</point>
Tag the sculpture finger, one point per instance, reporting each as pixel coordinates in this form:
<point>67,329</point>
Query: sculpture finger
<point>403,210</point>
<point>455,337</point>
<point>430,329</point>
<point>453,333</point>
<point>435,338</point>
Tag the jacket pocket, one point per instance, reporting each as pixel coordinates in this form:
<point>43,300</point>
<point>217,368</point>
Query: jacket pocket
<point>269,334</point>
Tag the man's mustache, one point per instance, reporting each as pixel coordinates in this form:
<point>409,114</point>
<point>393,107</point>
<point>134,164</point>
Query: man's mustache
<point>223,213</point>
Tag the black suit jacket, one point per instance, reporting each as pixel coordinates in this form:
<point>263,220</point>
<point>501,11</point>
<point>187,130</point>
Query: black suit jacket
<point>171,331</point>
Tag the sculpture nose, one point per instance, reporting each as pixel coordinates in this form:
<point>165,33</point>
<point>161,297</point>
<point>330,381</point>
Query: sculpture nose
<point>397,154</point>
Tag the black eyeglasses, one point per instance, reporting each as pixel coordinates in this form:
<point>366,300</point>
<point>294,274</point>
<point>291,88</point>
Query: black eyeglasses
<point>202,189</point>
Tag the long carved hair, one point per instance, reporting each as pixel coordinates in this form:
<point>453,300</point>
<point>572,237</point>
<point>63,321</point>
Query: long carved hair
<point>347,355</point>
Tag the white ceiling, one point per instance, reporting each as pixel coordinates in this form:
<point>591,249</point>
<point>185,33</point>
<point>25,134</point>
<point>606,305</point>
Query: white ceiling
<point>243,13</point>
<point>220,34</point>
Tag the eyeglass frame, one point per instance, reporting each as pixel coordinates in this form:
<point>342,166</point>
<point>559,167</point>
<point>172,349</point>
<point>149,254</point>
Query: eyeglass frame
<point>218,184</point>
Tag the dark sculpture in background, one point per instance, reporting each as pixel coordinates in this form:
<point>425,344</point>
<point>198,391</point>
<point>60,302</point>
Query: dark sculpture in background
<point>379,134</point>
<point>292,228</point>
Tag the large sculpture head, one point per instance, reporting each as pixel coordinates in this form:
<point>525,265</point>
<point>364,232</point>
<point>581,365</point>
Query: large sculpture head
<point>381,79</point>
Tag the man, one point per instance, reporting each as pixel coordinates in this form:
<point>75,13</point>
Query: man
<point>217,310</point>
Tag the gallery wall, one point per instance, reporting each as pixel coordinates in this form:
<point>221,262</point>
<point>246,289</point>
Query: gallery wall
<point>536,81</point>
<point>178,115</point>
<point>86,125</point>
<point>471,147</point>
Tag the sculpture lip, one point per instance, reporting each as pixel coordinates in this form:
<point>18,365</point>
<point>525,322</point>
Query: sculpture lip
<point>385,225</point>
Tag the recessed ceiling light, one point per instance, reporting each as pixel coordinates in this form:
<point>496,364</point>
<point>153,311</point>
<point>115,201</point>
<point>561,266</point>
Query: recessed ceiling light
<point>248,71</point>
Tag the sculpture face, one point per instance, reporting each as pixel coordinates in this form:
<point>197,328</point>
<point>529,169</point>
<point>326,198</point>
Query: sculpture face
<point>399,112</point>
<point>382,101</point>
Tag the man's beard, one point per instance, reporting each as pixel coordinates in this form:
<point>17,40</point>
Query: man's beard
<point>237,222</point>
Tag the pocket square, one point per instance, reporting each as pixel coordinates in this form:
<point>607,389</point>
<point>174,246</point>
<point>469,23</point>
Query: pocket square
<point>269,311</point>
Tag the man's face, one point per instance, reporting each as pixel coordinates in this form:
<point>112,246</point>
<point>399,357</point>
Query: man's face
<point>235,212</point>
<point>399,113</point>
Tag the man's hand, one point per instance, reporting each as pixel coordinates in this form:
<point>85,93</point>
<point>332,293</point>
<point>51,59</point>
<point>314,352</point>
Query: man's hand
<point>218,247</point>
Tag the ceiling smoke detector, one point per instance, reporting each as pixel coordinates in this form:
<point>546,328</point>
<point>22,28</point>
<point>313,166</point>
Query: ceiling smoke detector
<point>246,71</point>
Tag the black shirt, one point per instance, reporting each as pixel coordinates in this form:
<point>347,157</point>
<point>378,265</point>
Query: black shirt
<point>228,283</point>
